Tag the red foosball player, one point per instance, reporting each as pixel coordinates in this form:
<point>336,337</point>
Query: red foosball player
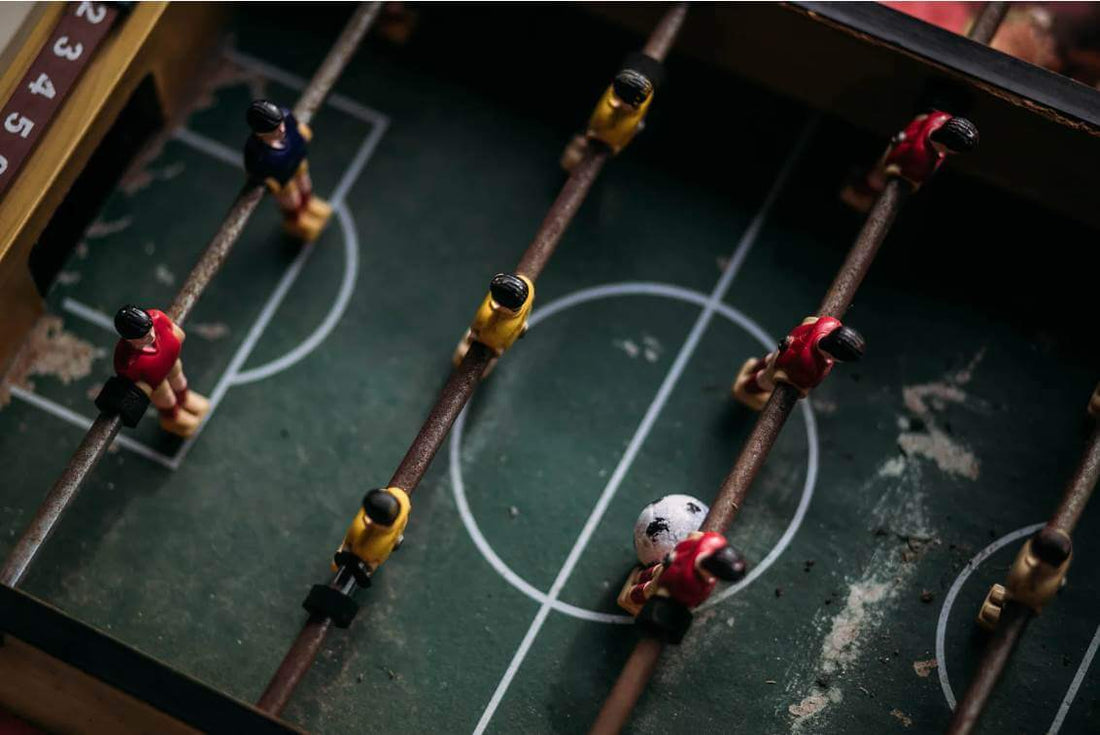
<point>803,360</point>
<point>148,356</point>
<point>275,154</point>
<point>914,155</point>
<point>661,596</point>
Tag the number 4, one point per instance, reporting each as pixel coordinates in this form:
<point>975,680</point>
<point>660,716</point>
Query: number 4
<point>42,86</point>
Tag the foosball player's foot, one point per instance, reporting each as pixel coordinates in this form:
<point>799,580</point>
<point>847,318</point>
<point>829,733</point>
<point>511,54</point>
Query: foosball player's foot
<point>196,404</point>
<point>574,152</point>
<point>665,619</point>
<point>319,208</point>
<point>181,424</point>
<point>990,614</point>
<point>305,227</point>
<point>754,399</point>
<point>325,602</point>
<point>859,198</point>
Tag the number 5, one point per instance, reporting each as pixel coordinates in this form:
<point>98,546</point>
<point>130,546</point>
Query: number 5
<point>64,50</point>
<point>93,13</point>
<point>18,124</point>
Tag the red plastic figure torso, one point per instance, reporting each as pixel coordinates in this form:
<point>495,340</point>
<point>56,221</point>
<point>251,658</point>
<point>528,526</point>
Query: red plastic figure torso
<point>913,157</point>
<point>152,364</point>
<point>802,364</point>
<point>681,579</point>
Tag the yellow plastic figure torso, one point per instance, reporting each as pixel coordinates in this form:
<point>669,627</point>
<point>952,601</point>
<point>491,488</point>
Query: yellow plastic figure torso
<point>371,542</point>
<point>614,122</point>
<point>498,328</point>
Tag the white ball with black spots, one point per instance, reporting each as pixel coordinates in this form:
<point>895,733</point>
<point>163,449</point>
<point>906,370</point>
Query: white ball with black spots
<point>665,523</point>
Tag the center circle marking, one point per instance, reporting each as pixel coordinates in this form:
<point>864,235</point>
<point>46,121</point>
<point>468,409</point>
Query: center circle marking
<point>596,293</point>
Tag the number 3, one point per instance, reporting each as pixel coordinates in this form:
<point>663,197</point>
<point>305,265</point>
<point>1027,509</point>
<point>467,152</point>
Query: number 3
<point>64,50</point>
<point>18,124</point>
<point>93,13</point>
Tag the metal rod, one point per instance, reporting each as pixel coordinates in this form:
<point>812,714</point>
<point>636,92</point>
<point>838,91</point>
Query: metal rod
<point>1010,627</point>
<point>1080,486</point>
<point>465,378</point>
<point>840,294</point>
<point>297,661</point>
<point>104,429</point>
<point>91,449</point>
<point>336,60</point>
<point>664,34</point>
<point>988,21</point>
<point>561,212</point>
<point>1014,617</point>
<point>455,394</point>
<point>635,676</point>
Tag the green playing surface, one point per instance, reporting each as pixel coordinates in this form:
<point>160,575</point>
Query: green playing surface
<point>700,246</point>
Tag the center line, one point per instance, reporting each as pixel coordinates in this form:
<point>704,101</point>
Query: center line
<point>646,425</point>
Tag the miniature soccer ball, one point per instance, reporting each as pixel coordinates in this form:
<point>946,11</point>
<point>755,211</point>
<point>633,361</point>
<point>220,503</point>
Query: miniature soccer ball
<point>665,523</point>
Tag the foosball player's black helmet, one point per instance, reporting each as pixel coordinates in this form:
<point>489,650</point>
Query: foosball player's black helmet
<point>958,134</point>
<point>381,507</point>
<point>132,322</point>
<point>632,87</point>
<point>1051,546</point>
<point>726,564</point>
<point>844,344</point>
<point>264,116</point>
<point>509,291</point>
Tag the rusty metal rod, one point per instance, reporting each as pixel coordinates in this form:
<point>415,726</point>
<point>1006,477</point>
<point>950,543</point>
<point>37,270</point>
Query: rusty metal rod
<point>635,675</point>
<point>1014,619</point>
<point>1011,625</point>
<point>1080,486</point>
<point>465,378</point>
<point>106,427</point>
<point>665,32</point>
<point>90,451</point>
<point>988,21</point>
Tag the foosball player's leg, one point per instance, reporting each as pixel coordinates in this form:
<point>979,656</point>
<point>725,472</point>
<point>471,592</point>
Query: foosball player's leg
<point>994,602</point>
<point>187,399</point>
<point>173,418</point>
<point>123,398</point>
<point>746,390</point>
<point>665,619</point>
<point>574,152</point>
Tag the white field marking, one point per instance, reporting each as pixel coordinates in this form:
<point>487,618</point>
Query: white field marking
<point>949,601</point>
<point>677,293</point>
<point>336,101</point>
<point>351,268</point>
<point>85,423</point>
<point>88,314</point>
<point>209,146</point>
<point>1071,694</point>
<point>646,425</point>
<point>218,151</point>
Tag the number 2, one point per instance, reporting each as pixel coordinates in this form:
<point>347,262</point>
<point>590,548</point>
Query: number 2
<point>18,124</point>
<point>62,48</point>
<point>42,86</point>
<point>90,11</point>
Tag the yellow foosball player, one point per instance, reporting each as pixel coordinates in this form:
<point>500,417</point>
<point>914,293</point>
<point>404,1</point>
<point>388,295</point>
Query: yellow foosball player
<point>1035,577</point>
<point>621,111</point>
<point>502,317</point>
<point>377,529</point>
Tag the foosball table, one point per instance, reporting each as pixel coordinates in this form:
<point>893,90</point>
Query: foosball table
<point>524,368</point>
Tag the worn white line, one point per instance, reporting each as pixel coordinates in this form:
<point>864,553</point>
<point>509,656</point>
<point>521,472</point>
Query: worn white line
<point>336,100</point>
<point>953,592</point>
<point>646,425</point>
<point>210,147</point>
<point>1079,677</point>
<point>88,314</point>
<point>83,422</point>
<point>618,290</point>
